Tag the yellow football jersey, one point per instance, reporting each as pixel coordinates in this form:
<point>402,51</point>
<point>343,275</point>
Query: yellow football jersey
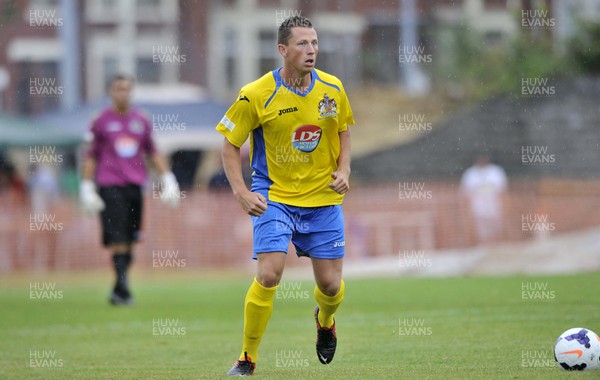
<point>294,141</point>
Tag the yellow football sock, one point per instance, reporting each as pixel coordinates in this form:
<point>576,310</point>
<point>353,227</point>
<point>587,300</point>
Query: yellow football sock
<point>328,305</point>
<point>258,307</point>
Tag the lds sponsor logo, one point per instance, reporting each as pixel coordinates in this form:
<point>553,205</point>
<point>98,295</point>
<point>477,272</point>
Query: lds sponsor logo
<point>306,138</point>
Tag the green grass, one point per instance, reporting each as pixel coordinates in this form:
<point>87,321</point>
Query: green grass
<point>475,328</point>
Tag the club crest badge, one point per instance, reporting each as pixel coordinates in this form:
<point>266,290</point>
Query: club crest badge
<point>327,107</point>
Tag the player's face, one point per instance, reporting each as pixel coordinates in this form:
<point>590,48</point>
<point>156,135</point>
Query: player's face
<point>120,91</point>
<point>301,51</point>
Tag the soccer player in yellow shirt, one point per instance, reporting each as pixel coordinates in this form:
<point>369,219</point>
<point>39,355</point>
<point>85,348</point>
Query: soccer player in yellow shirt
<point>297,119</point>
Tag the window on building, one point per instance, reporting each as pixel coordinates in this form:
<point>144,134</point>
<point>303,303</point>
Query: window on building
<point>269,3</point>
<point>230,72</point>
<point>102,10</point>
<point>38,89</point>
<point>148,71</point>
<point>109,4</point>
<point>44,4</point>
<point>494,4</point>
<point>230,48</point>
<point>380,53</point>
<point>110,69</point>
<point>148,7</point>
<point>225,3</point>
<point>269,56</point>
<point>8,11</point>
<point>148,4</point>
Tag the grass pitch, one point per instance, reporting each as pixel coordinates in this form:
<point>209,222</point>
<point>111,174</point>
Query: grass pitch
<point>188,326</point>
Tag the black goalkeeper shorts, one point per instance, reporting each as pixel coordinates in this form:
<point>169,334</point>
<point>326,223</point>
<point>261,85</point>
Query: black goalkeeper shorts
<point>122,216</point>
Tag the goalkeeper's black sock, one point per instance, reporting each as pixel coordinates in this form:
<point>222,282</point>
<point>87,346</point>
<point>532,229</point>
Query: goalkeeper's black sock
<point>120,263</point>
<point>128,259</point>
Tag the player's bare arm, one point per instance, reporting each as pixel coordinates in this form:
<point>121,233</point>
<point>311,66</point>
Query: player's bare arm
<point>159,163</point>
<point>89,168</point>
<point>341,177</point>
<point>252,203</point>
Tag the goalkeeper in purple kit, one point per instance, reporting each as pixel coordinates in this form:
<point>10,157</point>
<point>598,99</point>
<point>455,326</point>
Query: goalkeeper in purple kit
<point>122,139</point>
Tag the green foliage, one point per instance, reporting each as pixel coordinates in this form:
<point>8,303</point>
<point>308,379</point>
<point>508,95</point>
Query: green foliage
<point>484,69</point>
<point>584,48</point>
<point>8,11</point>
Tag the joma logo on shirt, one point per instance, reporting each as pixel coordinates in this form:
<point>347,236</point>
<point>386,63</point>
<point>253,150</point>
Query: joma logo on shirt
<point>287,110</point>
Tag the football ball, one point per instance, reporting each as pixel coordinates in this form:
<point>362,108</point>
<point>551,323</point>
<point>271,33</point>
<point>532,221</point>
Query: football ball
<point>578,349</point>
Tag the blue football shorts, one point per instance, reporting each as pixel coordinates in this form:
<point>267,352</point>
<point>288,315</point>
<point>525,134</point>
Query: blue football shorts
<point>316,232</point>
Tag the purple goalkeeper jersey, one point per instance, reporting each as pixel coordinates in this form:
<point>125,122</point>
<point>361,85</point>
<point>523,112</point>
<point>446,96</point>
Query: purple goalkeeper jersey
<point>119,145</point>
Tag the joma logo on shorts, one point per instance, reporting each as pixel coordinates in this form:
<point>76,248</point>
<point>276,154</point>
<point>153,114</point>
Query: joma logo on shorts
<point>287,110</point>
<point>339,244</point>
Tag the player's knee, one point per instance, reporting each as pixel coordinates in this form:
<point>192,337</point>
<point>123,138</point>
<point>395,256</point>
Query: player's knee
<point>268,279</point>
<point>330,289</point>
